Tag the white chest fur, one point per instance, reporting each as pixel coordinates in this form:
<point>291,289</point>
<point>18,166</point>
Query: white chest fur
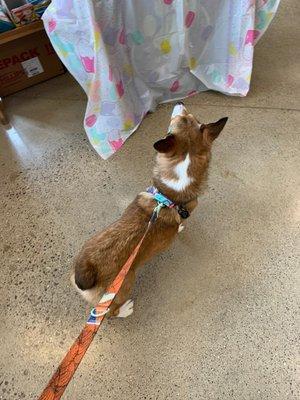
<point>183,180</point>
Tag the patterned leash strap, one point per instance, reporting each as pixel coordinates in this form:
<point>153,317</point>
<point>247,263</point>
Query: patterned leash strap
<point>64,373</point>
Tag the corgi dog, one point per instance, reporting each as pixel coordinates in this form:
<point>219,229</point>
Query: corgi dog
<point>180,173</point>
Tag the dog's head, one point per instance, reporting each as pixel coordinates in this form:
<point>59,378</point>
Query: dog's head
<point>184,154</point>
<point>188,135</point>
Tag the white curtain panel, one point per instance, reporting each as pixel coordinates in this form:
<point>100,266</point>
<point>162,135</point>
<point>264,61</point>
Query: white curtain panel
<point>130,55</point>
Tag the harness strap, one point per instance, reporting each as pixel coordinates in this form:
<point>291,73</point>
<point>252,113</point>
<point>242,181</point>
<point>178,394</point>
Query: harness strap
<point>162,199</point>
<point>64,373</point>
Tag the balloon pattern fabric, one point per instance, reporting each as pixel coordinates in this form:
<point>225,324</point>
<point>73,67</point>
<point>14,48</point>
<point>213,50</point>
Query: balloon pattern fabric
<point>131,55</point>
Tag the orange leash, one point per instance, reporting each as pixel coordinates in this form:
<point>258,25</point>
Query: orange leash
<point>70,363</point>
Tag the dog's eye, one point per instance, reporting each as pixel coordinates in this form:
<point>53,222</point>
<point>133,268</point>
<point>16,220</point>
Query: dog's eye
<point>184,120</point>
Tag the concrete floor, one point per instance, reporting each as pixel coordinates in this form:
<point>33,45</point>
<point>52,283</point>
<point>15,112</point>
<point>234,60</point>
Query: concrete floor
<point>216,316</point>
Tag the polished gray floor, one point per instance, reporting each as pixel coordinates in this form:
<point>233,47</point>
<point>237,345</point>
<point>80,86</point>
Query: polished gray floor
<point>216,316</point>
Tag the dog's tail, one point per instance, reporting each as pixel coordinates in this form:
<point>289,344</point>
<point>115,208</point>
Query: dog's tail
<point>84,279</point>
<point>85,274</point>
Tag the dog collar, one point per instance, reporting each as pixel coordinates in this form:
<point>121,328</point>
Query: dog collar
<point>166,202</point>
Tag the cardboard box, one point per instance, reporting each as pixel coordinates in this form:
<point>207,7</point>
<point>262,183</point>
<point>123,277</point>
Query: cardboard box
<point>26,60</point>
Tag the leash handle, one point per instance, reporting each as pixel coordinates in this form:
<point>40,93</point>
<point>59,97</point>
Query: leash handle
<point>64,373</point>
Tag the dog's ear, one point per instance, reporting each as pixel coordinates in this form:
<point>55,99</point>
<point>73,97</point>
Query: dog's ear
<point>212,131</point>
<point>166,145</point>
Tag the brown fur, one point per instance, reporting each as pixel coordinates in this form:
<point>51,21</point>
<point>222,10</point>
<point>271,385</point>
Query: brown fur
<point>102,257</point>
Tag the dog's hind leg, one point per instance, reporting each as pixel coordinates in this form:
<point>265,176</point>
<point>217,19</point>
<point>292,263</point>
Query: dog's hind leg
<point>122,305</point>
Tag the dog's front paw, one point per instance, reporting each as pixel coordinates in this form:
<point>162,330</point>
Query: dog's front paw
<point>126,309</point>
<point>180,228</point>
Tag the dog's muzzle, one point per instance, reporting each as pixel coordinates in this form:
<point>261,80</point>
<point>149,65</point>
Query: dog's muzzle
<point>179,109</point>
